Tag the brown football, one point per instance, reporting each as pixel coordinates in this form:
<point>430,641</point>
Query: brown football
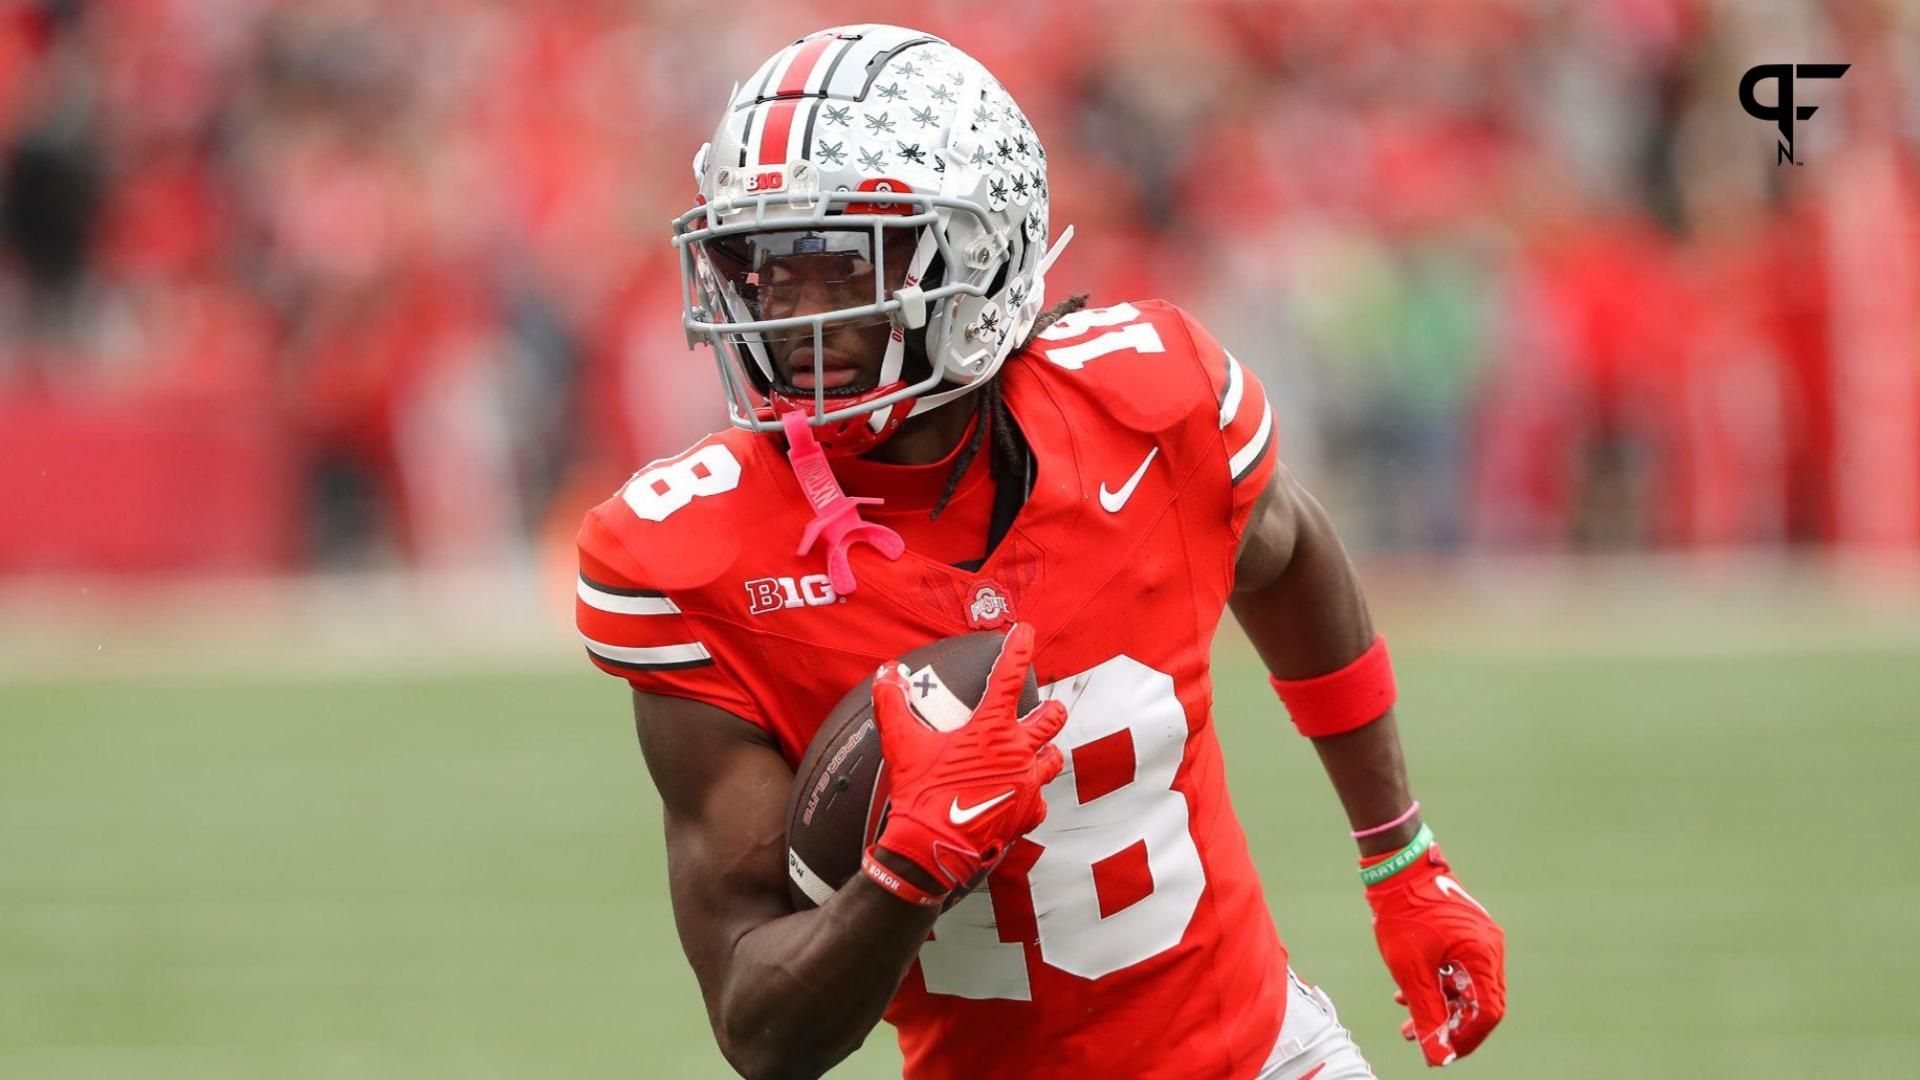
<point>839,798</point>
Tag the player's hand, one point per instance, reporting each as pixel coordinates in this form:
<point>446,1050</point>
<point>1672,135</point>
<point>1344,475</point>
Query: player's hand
<point>960,797</point>
<point>1446,954</point>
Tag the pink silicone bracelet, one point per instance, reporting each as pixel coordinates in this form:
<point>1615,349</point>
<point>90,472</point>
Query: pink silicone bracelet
<point>1394,824</point>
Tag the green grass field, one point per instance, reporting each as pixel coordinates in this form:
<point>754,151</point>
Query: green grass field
<point>1704,863</point>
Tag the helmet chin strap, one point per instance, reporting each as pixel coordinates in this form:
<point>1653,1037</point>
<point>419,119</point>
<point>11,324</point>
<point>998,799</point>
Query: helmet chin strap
<point>1046,260</point>
<point>895,357</point>
<point>933,401</point>
<point>890,365</point>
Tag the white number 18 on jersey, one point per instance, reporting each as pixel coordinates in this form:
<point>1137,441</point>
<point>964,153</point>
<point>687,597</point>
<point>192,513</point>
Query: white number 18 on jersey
<point>1121,712</point>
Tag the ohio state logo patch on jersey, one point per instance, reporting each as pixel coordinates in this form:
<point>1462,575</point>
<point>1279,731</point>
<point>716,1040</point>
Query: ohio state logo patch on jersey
<point>988,607</point>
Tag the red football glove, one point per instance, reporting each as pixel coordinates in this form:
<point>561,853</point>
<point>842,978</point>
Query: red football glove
<point>960,797</point>
<point>1446,954</point>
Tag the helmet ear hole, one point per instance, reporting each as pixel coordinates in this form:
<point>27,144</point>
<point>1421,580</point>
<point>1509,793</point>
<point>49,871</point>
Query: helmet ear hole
<point>1000,279</point>
<point>936,273</point>
<point>1016,251</point>
<point>1016,256</point>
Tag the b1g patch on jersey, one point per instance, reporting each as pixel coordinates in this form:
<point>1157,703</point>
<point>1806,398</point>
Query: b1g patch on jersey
<point>777,593</point>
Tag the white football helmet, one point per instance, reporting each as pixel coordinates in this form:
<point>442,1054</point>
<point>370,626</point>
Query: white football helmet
<point>861,141</point>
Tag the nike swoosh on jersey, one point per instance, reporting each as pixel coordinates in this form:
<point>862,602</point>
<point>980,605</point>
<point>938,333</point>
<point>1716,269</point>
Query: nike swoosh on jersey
<point>1112,501</point>
<point>1447,885</point>
<point>960,815</point>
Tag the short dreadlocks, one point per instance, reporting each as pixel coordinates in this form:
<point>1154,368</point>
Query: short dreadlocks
<point>1009,459</point>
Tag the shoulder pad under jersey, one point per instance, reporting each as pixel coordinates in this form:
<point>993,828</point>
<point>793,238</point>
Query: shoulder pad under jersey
<point>678,523</point>
<point>1149,366</point>
<point>1130,362</point>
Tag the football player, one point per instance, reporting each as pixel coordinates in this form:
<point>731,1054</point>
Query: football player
<point>922,448</point>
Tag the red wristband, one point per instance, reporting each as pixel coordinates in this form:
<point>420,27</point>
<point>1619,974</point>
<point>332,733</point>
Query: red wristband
<point>1343,700</point>
<point>878,873</point>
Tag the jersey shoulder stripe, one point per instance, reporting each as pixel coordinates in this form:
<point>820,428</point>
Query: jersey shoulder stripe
<point>680,657</point>
<point>636,630</point>
<point>618,601</point>
<point>1245,421</point>
<point>1243,461</point>
<point>1230,394</point>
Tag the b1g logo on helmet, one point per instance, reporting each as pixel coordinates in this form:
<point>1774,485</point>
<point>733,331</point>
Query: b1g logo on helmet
<point>988,607</point>
<point>774,593</point>
<point>768,180</point>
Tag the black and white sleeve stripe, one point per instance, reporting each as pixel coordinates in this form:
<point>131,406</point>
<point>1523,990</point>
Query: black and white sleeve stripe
<point>1244,458</point>
<point>608,611</point>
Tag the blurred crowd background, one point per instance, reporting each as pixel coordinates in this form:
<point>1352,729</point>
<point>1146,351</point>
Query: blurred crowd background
<point>352,283</point>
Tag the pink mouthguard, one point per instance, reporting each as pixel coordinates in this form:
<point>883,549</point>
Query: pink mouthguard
<point>836,516</point>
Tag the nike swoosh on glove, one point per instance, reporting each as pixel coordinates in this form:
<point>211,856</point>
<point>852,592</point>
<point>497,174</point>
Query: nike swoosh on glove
<point>1445,953</point>
<point>959,798</point>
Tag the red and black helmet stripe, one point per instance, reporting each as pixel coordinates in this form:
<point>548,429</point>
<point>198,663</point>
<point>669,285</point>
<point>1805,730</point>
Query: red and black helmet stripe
<point>746,133</point>
<point>780,106</point>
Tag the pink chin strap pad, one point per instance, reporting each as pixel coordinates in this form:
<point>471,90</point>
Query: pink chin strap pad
<point>836,516</point>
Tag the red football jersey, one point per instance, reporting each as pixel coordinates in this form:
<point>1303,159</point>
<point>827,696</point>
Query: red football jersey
<point>1127,935</point>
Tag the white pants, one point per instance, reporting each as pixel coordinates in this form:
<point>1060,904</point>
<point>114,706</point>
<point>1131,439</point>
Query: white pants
<point>1313,1045</point>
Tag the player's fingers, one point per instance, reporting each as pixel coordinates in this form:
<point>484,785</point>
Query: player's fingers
<point>1435,1037</point>
<point>1406,1030</point>
<point>1428,1009</point>
<point>1051,762</point>
<point>1036,813</point>
<point>1480,1005</point>
<point>892,676</point>
<point>1471,1033</point>
<point>1009,673</point>
<point>1399,997</point>
<point>890,705</point>
<point>1043,723</point>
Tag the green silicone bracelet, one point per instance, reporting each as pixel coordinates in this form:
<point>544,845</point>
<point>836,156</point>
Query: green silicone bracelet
<point>1381,871</point>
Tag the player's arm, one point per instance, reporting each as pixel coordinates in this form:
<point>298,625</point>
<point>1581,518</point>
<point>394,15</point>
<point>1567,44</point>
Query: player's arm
<point>1299,600</point>
<point>792,994</point>
<point>788,994</point>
